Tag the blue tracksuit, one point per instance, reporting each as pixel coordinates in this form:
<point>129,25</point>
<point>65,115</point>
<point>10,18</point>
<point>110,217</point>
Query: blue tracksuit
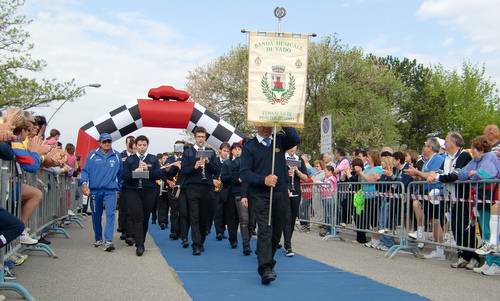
<point>102,172</point>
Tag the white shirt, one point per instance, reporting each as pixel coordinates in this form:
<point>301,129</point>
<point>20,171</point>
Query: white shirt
<point>260,138</point>
<point>292,157</point>
<point>138,155</point>
<point>197,148</point>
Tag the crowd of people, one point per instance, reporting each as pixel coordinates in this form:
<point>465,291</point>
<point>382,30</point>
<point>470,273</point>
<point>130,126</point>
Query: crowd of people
<point>197,189</point>
<point>25,147</point>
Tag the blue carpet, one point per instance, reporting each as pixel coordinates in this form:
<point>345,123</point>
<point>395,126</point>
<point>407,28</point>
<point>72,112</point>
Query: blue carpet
<point>222,273</point>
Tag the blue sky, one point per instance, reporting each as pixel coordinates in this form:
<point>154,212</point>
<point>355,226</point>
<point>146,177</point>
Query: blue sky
<point>131,46</point>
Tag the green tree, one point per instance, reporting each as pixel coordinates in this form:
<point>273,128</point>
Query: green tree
<point>357,93</point>
<point>221,86</point>
<point>16,87</point>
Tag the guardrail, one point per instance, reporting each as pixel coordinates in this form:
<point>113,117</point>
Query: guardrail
<point>60,202</point>
<point>454,216</point>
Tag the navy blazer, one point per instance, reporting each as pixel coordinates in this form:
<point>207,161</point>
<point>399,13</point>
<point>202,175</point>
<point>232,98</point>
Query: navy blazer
<point>194,176</point>
<point>155,173</point>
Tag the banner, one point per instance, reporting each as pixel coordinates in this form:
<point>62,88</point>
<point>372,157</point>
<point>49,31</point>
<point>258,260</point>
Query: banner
<point>277,78</point>
<point>326,134</point>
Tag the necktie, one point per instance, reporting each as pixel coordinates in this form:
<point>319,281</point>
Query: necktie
<point>141,157</point>
<point>267,141</point>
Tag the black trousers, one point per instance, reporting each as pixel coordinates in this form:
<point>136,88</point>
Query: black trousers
<point>140,203</point>
<point>199,198</point>
<point>184,221</point>
<point>294,212</point>
<point>174,213</point>
<point>122,212</point>
<point>268,237</point>
<point>231,218</point>
<point>163,207</point>
<point>463,231</point>
<point>219,200</point>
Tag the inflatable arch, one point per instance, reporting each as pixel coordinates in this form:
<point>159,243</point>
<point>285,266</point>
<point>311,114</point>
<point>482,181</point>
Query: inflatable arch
<point>155,113</point>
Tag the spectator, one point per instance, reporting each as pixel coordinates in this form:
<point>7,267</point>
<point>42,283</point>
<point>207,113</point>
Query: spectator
<point>371,173</point>
<point>492,134</point>
<point>360,217</point>
<point>30,161</point>
<point>327,199</point>
<point>319,167</point>
<point>485,165</point>
<point>411,157</point>
<point>464,231</point>
<point>363,155</point>
<point>341,165</point>
<point>328,159</point>
<point>54,134</point>
<point>434,208</point>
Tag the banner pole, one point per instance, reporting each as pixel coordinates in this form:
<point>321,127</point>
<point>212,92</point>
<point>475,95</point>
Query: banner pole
<point>272,172</point>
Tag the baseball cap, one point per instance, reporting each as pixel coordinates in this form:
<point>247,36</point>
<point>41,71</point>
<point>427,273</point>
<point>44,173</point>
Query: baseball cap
<point>104,137</point>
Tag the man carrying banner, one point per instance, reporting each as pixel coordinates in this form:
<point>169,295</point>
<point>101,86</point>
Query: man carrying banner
<point>256,165</point>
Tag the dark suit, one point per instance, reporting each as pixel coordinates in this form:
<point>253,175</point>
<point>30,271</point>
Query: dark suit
<point>122,203</point>
<point>256,163</point>
<point>199,192</point>
<point>220,198</point>
<point>141,201</point>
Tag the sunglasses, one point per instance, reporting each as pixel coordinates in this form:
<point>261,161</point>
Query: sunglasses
<point>106,141</point>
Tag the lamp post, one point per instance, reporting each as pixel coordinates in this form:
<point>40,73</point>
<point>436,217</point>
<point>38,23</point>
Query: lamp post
<point>95,85</point>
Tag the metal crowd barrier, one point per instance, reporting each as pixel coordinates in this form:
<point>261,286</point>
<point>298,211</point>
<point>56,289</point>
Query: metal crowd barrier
<point>455,216</point>
<point>316,204</point>
<point>60,194</point>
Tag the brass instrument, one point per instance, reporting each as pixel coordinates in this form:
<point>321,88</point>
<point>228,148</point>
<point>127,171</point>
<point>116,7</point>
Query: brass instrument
<point>218,188</point>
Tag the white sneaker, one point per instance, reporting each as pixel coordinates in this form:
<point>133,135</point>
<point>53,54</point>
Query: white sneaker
<point>26,239</point>
<point>372,243</point>
<point>413,235</point>
<point>419,234</point>
<point>382,247</point>
<point>493,270</point>
<point>473,263</point>
<point>459,264</point>
<point>98,243</point>
<point>70,212</point>
<point>487,248</point>
<point>435,255</point>
<point>482,268</point>
<point>420,245</point>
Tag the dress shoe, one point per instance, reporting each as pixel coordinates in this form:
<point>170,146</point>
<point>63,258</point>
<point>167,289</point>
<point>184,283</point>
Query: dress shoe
<point>185,243</point>
<point>123,236</point>
<point>174,236</point>
<point>139,251</point>
<point>279,246</point>
<point>129,241</point>
<point>153,222</point>
<point>234,244</point>
<point>247,251</point>
<point>268,276</point>
<point>196,251</point>
<point>119,230</point>
<point>202,248</point>
<point>219,236</point>
<point>163,226</point>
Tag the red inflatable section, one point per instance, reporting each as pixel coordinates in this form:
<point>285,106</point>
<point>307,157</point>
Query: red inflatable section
<point>165,114</point>
<point>86,143</point>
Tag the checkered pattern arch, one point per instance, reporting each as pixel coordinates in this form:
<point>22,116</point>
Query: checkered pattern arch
<point>154,113</point>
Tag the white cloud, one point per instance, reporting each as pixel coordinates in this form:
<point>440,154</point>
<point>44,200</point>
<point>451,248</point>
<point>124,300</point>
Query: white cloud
<point>125,52</point>
<point>476,19</point>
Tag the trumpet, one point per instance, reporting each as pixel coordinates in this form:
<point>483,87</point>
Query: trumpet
<point>218,188</point>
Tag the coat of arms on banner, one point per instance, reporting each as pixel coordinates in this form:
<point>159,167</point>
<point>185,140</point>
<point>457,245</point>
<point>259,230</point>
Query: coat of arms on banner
<point>279,87</point>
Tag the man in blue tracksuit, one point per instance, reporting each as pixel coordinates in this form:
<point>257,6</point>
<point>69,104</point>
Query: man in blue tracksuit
<point>101,178</point>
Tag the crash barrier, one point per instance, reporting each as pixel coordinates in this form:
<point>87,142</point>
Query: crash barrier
<point>58,207</point>
<point>455,216</point>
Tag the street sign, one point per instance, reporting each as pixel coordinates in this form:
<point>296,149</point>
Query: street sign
<point>326,134</point>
